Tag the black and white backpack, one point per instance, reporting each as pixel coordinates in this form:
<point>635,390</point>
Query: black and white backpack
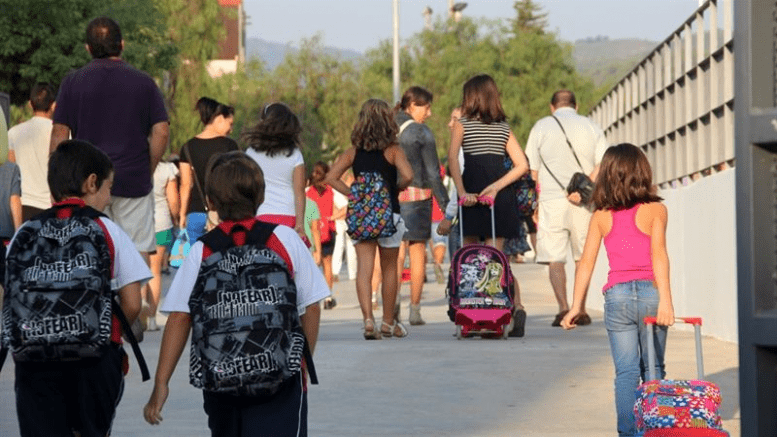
<point>59,302</point>
<point>246,333</point>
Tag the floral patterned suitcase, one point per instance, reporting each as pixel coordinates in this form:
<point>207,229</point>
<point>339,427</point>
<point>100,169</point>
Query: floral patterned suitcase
<point>678,407</point>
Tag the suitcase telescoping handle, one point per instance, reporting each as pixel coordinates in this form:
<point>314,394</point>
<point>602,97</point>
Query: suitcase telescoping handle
<point>481,199</point>
<point>696,322</point>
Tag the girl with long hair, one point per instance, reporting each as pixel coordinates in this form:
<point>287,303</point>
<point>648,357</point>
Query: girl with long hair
<point>274,143</point>
<point>375,149</point>
<point>631,220</point>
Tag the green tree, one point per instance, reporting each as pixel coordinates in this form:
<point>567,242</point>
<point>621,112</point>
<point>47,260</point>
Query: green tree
<point>44,40</point>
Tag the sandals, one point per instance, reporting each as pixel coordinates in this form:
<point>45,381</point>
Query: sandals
<point>397,330</point>
<point>370,332</point>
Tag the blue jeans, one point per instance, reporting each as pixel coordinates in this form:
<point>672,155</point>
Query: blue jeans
<point>625,307</point>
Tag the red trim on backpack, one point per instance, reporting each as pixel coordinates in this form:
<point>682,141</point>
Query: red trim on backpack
<point>273,243</point>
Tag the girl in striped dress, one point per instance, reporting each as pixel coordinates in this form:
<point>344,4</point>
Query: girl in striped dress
<point>485,137</point>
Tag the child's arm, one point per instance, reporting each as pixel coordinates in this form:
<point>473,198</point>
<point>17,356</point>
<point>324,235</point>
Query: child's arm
<point>315,232</point>
<point>16,210</point>
<point>187,181</point>
<point>585,269</point>
<point>457,136</point>
<point>665,315</point>
<point>341,164</point>
<point>520,166</point>
<point>298,186</point>
<point>310,321</point>
<point>173,343</point>
<point>404,170</point>
<point>130,301</point>
<point>173,201</point>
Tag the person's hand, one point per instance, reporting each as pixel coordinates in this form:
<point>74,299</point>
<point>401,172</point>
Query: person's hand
<point>300,229</point>
<point>568,322</point>
<point>489,191</point>
<point>575,198</point>
<point>152,410</point>
<point>444,228</point>
<point>468,199</point>
<point>536,215</point>
<point>665,314</point>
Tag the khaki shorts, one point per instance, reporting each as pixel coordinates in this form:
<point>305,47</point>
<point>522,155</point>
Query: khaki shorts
<point>561,224</point>
<point>135,215</point>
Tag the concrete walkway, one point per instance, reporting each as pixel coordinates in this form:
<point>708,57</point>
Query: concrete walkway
<point>549,383</point>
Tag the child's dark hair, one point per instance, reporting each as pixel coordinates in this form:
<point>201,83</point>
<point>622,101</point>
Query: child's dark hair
<point>234,185</point>
<point>481,100</point>
<point>625,179</point>
<point>375,129</point>
<point>103,36</point>
<point>324,169</point>
<point>71,164</point>
<point>42,96</point>
<point>209,109</point>
<point>417,95</point>
<point>277,131</point>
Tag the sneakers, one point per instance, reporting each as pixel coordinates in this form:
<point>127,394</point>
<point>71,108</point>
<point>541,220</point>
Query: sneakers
<point>415,315</point>
<point>518,324</point>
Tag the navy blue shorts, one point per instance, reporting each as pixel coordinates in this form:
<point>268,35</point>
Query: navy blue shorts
<point>285,414</point>
<point>52,399</point>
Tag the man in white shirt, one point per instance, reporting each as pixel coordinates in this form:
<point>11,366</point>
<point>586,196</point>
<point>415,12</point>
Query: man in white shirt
<point>553,144</point>
<point>29,149</point>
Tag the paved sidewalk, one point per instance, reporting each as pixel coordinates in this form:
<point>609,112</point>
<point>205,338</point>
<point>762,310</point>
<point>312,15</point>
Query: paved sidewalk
<point>549,383</point>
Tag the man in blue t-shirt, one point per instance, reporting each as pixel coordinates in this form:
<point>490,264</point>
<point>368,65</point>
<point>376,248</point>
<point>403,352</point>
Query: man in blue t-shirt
<point>120,110</point>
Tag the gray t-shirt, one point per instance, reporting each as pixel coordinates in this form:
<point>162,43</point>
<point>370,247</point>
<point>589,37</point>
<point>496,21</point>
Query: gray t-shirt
<point>11,184</point>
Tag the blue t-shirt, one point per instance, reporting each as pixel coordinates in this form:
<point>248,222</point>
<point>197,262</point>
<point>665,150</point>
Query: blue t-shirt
<point>113,106</point>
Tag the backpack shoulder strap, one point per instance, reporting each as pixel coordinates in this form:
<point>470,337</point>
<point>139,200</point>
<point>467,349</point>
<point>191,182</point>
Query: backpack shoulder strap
<point>217,240</point>
<point>260,234</point>
<point>404,126</point>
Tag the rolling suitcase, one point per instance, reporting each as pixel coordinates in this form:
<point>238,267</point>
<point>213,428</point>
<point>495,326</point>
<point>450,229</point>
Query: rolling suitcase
<point>674,408</point>
<point>480,289</point>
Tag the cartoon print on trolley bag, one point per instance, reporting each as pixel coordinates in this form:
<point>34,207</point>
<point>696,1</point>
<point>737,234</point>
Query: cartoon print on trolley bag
<point>246,333</point>
<point>479,290</point>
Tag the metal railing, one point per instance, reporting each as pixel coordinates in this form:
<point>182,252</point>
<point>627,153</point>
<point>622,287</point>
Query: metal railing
<point>677,104</point>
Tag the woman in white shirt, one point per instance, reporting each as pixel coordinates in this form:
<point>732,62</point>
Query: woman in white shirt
<point>274,144</point>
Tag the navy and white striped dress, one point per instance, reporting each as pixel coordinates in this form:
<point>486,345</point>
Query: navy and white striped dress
<point>484,154</point>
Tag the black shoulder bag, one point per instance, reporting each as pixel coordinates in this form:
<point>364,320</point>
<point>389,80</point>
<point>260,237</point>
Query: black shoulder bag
<point>580,182</point>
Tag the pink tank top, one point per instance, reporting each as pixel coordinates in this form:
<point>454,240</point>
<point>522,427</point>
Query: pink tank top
<point>628,250</point>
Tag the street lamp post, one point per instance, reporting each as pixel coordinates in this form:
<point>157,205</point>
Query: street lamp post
<point>396,51</point>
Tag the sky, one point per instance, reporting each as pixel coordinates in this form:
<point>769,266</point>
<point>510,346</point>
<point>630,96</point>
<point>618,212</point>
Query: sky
<point>361,24</point>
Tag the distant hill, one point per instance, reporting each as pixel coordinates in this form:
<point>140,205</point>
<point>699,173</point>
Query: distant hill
<point>606,61</point>
<point>600,58</point>
<point>273,53</point>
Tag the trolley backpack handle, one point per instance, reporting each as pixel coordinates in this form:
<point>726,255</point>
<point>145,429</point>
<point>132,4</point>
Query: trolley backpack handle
<point>696,322</point>
<point>487,200</point>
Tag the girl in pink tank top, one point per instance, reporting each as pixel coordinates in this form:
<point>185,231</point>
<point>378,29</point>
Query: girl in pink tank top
<point>631,220</point>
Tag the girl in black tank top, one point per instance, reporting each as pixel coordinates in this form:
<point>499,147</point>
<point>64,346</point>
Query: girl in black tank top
<point>375,149</point>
